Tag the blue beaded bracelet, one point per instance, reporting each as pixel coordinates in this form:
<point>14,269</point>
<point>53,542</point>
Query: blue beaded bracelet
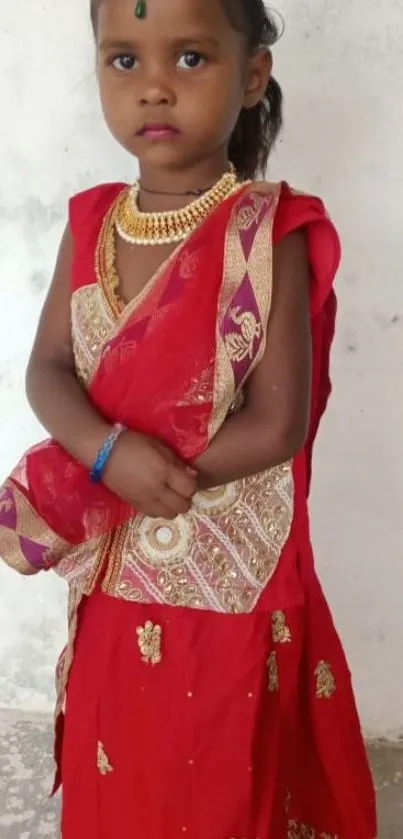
<point>98,468</point>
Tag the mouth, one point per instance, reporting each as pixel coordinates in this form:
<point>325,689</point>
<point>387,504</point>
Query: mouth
<point>158,131</point>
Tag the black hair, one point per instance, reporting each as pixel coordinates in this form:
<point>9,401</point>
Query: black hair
<point>257,128</point>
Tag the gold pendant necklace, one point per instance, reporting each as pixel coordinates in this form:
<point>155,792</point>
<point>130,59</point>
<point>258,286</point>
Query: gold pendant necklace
<point>173,226</point>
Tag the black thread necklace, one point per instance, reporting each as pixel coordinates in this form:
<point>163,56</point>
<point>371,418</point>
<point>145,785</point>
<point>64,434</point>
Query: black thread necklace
<point>194,193</point>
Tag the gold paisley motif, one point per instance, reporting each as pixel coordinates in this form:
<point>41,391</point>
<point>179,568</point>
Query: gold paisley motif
<point>325,681</point>
<point>189,262</point>
<point>149,641</point>
<point>104,767</point>
<point>248,215</point>
<point>280,631</point>
<point>240,345</point>
<point>272,670</point>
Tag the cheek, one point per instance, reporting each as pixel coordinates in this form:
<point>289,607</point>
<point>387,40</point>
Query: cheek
<point>112,101</point>
<point>103,92</point>
<point>218,99</point>
<point>223,108</point>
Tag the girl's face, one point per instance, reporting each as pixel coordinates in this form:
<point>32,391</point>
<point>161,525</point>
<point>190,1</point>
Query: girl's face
<point>172,85</point>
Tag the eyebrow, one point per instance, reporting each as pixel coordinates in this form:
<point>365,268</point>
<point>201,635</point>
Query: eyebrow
<point>198,40</point>
<point>111,44</point>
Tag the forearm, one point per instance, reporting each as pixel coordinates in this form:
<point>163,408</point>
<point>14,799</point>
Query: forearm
<point>245,445</point>
<point>64,409</point>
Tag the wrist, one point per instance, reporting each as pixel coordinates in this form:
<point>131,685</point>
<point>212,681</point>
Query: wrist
<point>100,462</point>
<point>87,447</point>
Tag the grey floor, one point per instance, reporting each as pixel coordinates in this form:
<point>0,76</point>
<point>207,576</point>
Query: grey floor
<point>26,767</point>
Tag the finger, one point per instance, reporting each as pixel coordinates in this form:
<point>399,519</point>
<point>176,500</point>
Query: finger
<point>158,510</point>
<point>176,503</point>
<point>181,482</point>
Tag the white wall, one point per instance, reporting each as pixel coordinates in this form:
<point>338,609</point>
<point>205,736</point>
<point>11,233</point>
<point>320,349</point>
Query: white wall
<point>341,65</point>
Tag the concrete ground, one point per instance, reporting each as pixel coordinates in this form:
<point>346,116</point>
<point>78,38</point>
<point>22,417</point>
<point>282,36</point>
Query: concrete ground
<point>26,776</point>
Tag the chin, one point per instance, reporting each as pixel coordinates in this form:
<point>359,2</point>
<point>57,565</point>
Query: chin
<point>162,157</point>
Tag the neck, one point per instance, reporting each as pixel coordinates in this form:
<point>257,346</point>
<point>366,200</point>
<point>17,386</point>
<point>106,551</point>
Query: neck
<point>169,188</point>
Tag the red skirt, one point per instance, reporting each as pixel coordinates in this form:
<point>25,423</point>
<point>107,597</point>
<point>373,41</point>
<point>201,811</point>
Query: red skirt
<point>189,723</point>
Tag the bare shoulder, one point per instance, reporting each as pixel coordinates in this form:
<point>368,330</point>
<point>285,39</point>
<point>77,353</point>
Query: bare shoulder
<point>291,263</point>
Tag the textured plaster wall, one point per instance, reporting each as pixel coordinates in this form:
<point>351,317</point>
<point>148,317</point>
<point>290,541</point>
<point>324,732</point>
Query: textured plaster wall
<point>341,65</point>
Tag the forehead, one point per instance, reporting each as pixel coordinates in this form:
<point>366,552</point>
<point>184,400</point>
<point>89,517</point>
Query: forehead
<point>171,18</point>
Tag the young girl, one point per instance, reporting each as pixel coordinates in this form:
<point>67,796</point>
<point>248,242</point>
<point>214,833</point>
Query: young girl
<point>182,367</point>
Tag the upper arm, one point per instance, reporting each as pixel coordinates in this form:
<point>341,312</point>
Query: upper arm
<point>53,338</point>
<point>279,390</point>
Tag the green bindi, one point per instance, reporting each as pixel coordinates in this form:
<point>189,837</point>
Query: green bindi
<point>141,9</point>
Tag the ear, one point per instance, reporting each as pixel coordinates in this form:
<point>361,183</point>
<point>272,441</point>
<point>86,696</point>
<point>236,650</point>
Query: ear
<point>259,71</point>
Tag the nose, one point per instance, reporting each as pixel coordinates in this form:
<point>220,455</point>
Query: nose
<point>154,96</point>
<point>156,89</point>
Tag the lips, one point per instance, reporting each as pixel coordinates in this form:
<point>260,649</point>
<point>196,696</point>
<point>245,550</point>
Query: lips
<point>158,131</point>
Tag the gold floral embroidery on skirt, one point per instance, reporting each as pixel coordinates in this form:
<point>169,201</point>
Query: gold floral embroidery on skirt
<point>325,681</point>
<point>272,670</point>
<point>280,631</point>
<point>297,830</point>
<point>103,764</point>
<point>149,641</point>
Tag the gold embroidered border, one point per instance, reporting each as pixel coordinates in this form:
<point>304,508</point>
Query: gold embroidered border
<point>76,595</point>
<point>91,325</point>
<point>235,267</point>
<point>261,256</point>
<point>31,526</point>
<point>12,555</point>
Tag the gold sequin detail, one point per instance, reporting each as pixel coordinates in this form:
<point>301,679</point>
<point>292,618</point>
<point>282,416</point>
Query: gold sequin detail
<point>149,641</point>
<point>92,325</point>
<point>325,681</point>
<point>272,670</point>
<point>103,764</point>
<point>219,556</point>
<point>280,632</point>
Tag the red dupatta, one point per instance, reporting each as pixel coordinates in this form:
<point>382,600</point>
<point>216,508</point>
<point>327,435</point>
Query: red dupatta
<point>173,362</point>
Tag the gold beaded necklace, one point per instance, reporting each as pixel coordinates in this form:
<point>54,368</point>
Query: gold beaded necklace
<point>172,226</point>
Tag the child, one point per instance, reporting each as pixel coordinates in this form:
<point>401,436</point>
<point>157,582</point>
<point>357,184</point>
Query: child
<point>181,367</point>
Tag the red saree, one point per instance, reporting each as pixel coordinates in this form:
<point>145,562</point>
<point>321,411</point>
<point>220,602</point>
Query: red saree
<point>207,691</point>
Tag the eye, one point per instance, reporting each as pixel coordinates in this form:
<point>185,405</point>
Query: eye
<point>190,60</point>
<point>124,63</point>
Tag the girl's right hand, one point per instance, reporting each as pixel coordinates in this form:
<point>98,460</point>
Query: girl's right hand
<point>149,477</point>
